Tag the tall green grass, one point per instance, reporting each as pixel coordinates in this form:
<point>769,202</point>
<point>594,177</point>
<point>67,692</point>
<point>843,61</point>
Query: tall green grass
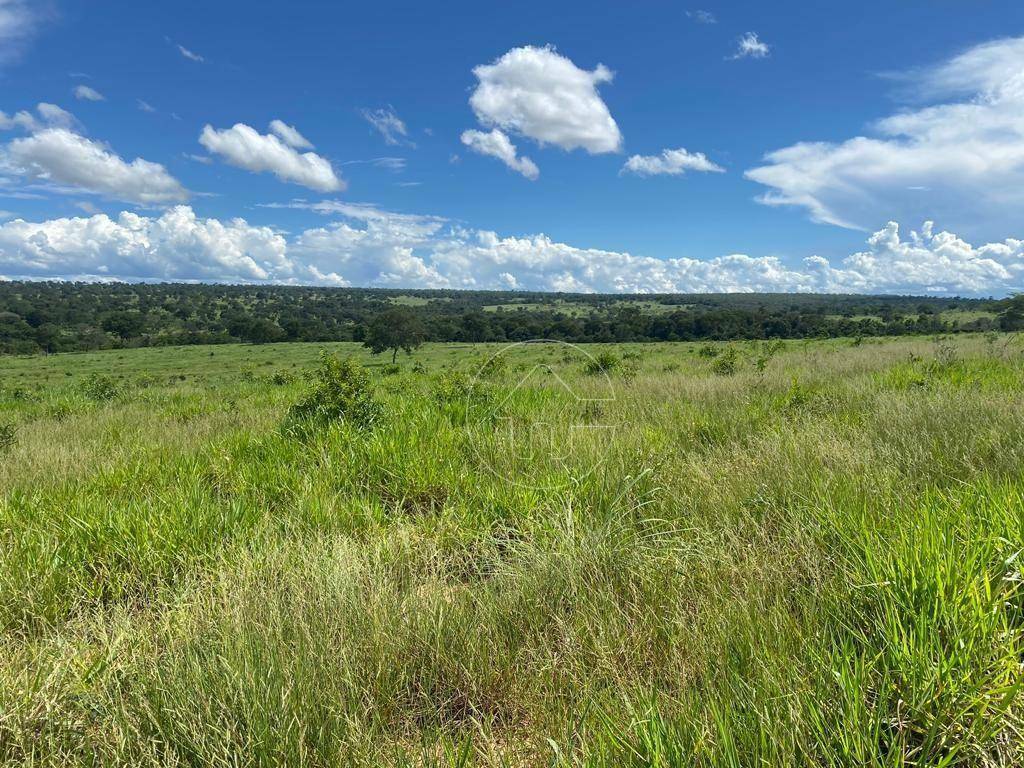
<point>813,558</point>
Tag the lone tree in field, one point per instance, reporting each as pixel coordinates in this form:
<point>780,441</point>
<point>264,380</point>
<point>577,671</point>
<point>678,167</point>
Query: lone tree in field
<point>395,329</point>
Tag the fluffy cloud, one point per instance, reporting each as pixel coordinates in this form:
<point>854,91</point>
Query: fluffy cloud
<point>50,115</point>
<point>538,93</point>
<point>244,147</point>
<point>961,160</point>
<point>23,119</point>
<point>173,246</point>
<point>289,135</point>
<point>497,144</point>
<point>671,162</point>
<point>85,93</point>
<point>389,125</point>
<point>363,245</point>
<point>750,47</point>
<point>63,157</point>
<point>54,116</point>
<point>928,261</point>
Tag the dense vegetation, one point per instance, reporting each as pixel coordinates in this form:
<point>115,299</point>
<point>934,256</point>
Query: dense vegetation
<point>64,317</point>
<point>800,553</point>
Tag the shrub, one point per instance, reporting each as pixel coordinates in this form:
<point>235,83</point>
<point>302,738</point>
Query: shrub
<point>455,388</point>
<point>946,355</point>
<point>709,351</point>
<point>726,363</point>
<point>605,362</point>
<point>24,395</point>
<point>794,399</point>
<point>495,366</point>
<point>100,387</point>
<point>8,435</point>
<point>340,391</point>
<point>451,386</point>
<point>390,369</point>
<point>59,410</point>
<point>281,378</point>
<point>768,351</point>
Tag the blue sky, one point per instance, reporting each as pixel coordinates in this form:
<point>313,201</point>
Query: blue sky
<point>578,88</point>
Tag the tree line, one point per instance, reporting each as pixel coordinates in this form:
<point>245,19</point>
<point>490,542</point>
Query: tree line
<point>67,316</point>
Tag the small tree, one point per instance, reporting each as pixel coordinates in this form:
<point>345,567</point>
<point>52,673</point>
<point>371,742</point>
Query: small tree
<point>1012,316</point>
<point>395,329</point>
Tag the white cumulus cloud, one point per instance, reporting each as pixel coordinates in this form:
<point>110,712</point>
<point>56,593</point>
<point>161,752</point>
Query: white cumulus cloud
<point>63,157</point>
<point>671,162</point>
<point>540,94</point>
<point>244,147</point>
<point>927,261</point>
<point>23,119</point>
<point>289,135</point>
<point>497,144</point>
<point>961,160</point>
<point>85,93</point>
<point>54,116</point>
<point>366,246</point>
<point>174,246</point>
<point>50,115</point>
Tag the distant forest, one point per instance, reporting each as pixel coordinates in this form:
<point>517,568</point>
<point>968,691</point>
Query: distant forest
<point>64,316</point>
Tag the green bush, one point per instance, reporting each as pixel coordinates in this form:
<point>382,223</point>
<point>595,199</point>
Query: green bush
<point>451,386</point>
<point>8,435</point>
<point>100,387</point>
<point>709,351</point>
<point>340,391</point>
<point>281,378</point>
<point>727,362</point>
<point>60,409</point>
<point>768,351</point>
<point>21,394</point>
<point>495,366</point>
<point>605,362</point>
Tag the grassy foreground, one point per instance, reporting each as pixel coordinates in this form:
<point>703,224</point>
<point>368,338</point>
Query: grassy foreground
<point>796,554</point>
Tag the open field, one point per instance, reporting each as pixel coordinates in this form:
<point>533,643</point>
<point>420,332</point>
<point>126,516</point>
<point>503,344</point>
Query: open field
<point>797,553</point>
